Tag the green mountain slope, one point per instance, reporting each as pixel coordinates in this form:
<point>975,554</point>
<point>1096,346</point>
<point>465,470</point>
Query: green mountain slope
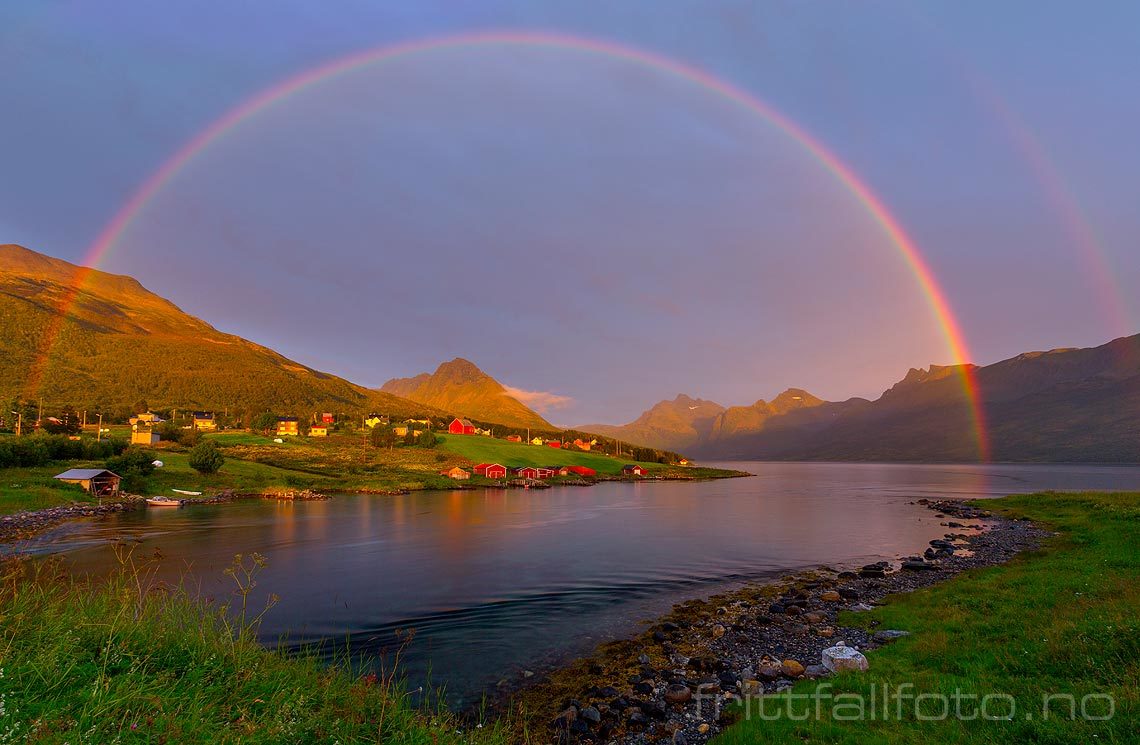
<point>461,387</point>
<point>102,342</point>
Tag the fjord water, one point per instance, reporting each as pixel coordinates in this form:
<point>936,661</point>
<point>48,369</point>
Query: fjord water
<point>497,581</point>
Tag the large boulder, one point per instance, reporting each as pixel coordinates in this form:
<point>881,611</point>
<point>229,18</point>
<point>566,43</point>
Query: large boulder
<point>840,658</point>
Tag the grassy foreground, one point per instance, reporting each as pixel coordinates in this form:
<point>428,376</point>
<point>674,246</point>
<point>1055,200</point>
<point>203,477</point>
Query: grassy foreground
<point>134,662</point>
<point>1053,638</point>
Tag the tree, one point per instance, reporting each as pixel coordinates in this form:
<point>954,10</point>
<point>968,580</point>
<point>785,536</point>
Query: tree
<point>382,436</point>
<point>134,465</point>
<point>67,424</point>
<point>428,439</point>
<point>265,422</point>
<point>205,457</point>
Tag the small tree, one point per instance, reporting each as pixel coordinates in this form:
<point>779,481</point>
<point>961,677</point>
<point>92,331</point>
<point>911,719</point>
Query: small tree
<point>205,457</point>
<point>382,436</point>
<point>428,439</point>
<point>265,422</point>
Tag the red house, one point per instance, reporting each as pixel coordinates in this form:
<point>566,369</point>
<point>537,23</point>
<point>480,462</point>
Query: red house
<point>327,417</point>
<point>582,470</point>
<point>553,444</point>
<point>461,427</point>
<point>633,470</point>
<point>491,470</point>
<point>514,438</point>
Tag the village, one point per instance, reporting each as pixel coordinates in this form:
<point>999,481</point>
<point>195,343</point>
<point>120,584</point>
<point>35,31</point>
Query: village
<point>156,455</point>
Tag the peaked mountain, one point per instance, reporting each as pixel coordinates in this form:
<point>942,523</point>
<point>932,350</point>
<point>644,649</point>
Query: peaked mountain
<point>100,341</point>
<point>669,425</point>
<point>1074,405</point>
<point>462,387</point>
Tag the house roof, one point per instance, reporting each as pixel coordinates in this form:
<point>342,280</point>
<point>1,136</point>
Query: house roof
<point>464,422</point>
<point>203,415</point>
<point>82,474</point>
<point>287,419</point>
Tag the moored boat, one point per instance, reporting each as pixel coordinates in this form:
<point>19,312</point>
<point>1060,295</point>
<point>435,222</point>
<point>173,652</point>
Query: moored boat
<point>163,502</point>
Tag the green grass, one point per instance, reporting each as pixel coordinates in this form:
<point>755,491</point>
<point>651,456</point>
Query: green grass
<point>1064,620</point>
<point>35,489</point>
<point>492,450</point>
<point>130,661</point>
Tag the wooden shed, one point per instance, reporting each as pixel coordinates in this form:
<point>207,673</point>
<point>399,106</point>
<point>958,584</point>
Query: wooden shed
<point>97,481</point>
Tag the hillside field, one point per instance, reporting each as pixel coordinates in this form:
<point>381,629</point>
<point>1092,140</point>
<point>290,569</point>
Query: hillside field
<point>490,450</point>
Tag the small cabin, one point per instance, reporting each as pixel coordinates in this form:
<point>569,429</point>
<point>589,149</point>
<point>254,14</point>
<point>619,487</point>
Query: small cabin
<point>633,470</point>
<point>98,482</point>
<point>461,427</point>
<point>327,418</point>
<point>583,445</point>
<point>456,473</point>
<point>553,444</point>
<point>319,430</point>
<point>373,420</point>
<point>582,470</point>
<point>288,426</point>
<point>514,438</point>
<point>537,441</point>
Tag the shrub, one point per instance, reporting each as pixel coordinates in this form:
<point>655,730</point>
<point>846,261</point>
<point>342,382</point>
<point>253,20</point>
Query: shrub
<point>206,458</point>
<point>189,438</point>
<point>132,462</point>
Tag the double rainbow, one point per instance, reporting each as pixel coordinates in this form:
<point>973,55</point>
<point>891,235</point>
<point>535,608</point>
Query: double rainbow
<point>200,143</point>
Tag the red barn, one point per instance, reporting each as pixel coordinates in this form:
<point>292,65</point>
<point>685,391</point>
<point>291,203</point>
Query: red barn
<point>554,444</point>
<point>582,470</point>
<point>491,470</point>
<point>633,470</point>
<point>461,427</point>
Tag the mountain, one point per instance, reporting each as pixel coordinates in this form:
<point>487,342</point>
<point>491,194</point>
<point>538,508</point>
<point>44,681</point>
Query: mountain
<point>670,425</point>
<point>100,341</point>
<point>1063,405</point>
<point>461,387</point>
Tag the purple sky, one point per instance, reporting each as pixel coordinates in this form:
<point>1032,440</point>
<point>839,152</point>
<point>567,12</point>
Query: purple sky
<point>586,227</point>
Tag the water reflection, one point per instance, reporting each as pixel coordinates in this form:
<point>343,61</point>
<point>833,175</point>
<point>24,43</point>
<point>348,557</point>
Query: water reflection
<point>496,580</point>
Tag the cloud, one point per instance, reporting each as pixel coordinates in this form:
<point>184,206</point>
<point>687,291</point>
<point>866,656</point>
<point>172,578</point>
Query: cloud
<point>540,401</point>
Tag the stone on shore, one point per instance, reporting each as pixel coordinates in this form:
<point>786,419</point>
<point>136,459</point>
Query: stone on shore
<point>792,668</point>
<point>840,658</point>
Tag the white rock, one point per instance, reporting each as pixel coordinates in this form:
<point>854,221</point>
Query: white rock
<point>842,658</point>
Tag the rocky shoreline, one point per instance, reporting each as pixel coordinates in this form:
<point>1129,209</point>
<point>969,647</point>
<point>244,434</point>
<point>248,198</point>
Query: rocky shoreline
<point>672,682</point>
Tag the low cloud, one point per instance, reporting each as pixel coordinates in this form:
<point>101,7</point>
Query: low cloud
<point>540,401</point>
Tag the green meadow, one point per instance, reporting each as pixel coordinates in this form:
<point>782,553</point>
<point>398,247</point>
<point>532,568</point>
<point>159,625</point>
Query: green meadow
<point>1053,638</point>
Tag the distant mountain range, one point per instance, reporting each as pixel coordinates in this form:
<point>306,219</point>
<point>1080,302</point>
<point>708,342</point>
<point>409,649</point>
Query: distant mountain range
<point>462,387</point>
<point>118,344</point>
<point>97,340</point>
<point>1080,405</point>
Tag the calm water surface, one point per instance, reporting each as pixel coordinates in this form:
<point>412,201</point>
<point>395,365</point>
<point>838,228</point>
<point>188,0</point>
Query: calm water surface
<point>497,581</point>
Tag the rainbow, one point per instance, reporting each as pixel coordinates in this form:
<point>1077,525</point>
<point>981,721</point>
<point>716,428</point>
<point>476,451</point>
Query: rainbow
<point>951,331</point>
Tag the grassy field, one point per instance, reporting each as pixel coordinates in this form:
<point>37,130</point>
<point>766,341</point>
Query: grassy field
<point>1062,622</point>
<point>491,450</point>
<point>35,489</point>
<point>132,662</point>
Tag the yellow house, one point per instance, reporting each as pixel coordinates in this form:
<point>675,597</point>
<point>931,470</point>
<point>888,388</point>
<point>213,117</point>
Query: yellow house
<point>142,429</point>
<point>456,473</point>
<point>319,430</point>
<point>204,420</point>
<point>537,441</point>
<point>373,420</point>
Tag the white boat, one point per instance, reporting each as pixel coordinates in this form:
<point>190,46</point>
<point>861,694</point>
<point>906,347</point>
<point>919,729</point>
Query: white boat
<point>163,502</point>
<point>187,493</point>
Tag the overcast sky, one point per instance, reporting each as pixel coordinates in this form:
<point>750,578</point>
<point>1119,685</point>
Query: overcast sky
<point>580,225</point>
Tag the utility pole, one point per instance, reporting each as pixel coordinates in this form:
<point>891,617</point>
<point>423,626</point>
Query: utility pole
<point>99,434</point>
<point>40,416</point>
<point>84,425</point>
<point>19,422</point>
